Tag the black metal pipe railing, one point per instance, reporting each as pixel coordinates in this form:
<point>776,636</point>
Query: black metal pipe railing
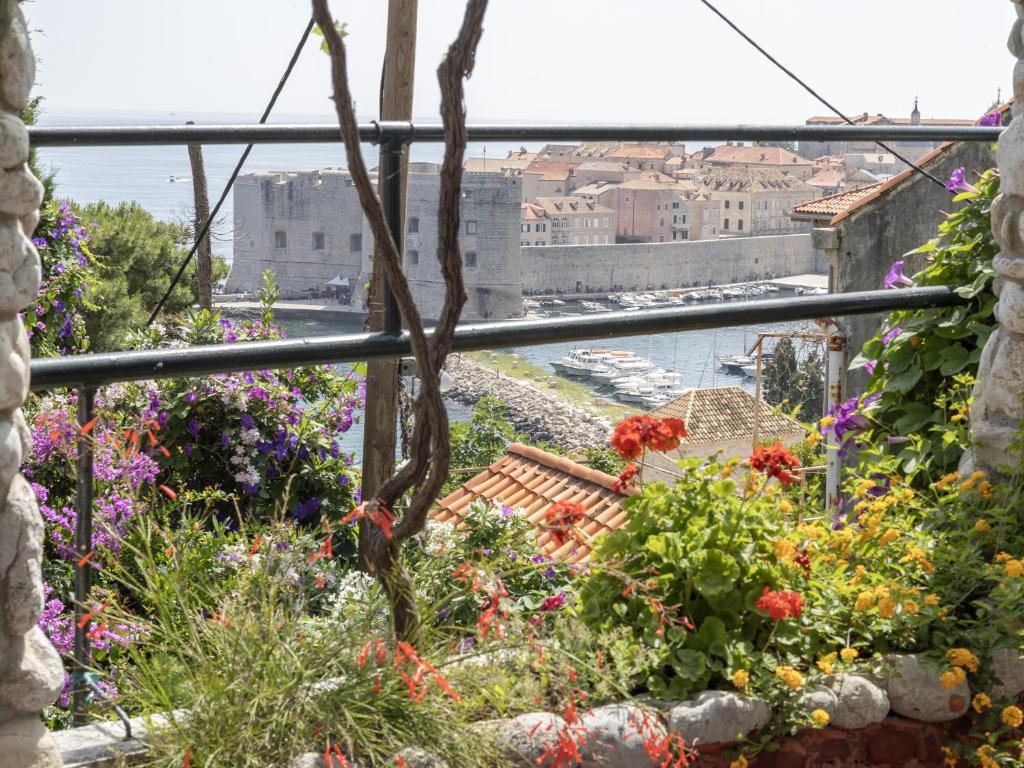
<point>99,369</point>
<point>404,132</point>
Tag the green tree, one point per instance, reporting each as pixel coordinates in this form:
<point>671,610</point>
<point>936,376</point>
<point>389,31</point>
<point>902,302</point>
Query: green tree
<point>787,145</point>
<point>137,256</point>
<point>480,441</point>
<point>799,384</point>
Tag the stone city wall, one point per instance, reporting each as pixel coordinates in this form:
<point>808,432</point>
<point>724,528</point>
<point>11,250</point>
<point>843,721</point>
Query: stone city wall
<point>645,266</point>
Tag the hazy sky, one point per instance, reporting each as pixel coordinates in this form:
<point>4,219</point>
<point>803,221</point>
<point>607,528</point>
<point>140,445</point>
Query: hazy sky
<point>540,60</point>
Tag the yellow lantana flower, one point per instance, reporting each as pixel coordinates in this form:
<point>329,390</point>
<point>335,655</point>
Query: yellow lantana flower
<point>783,548</point>
<point>1013,717</point>
<point>812,439</point>
<point>785,507</point>
<point>739,762</point>
<point>951,678</point>
<point>1014,568</point>
<point>865,600</point>
<point>911,607</point>
<point>887,607</point>
<point>984,754</point>
<point>981,702</point>
<point>945,480</point>
<point>961,657</point>
<point>1002,557</point>
<point>740,678</point>
<point>826,422</point>
<point>825,663</point>
<point>793,679</point>
<point>984,489</point>
<point>820,717</point>
<point>848,655</point>
<point>949,759</point>
<point>931,600</point>
<point>982,526</point>
<point>889,537</point>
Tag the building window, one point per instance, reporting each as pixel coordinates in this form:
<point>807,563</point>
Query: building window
<point>470,227</point>
<point>414,225</point>
<point>280,239</point>
<point>661,222</point>
<point>675,204</point>
<point>725,224</point>
<point>539,242</point>
<point>413,258</point>
<point>741,206</point>
<point>565,223</point>
<point>318,241</point>
<point>684,218</point>
<point>542,227</point>
<point>522,227</point>
<point>355,243</point>
<point>686,234</point>
<point>739,225</point>
<point>470,258</point>
<point>727,205</point>
<point>605,222</point>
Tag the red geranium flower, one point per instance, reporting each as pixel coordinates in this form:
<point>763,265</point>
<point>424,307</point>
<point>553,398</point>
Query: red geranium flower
<point>635,433</point>
<point>627,477</point>
<point>781,604</point>
<point>560,519</point>
<point>775,461</point>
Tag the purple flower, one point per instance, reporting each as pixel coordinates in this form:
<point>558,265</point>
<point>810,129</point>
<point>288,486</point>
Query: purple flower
<point>193,427</point>
<point>991,119</point>
<point>507,511</point>
<point>849,419</point>
<point>304,509</point>
<point>895,275</point>
<point>891,334</point>
<point>957,183</point>
<point>869,366</point>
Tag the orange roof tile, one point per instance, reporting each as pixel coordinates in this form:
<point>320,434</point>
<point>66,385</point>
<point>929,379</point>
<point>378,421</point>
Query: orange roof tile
<point>646,153</point>
<point>531,480</point>
<point>756,156</point>
<point>833,204</point>
<point>877,190</point>
<point>717,414</point>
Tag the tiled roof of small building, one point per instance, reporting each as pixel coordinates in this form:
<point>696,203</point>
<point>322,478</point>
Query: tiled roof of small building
<point>827,207</point>
<point>532,480</point>
<point>755,156</point>
<point>719,414</point>
<point>569,204</point>
<point>645,153</point>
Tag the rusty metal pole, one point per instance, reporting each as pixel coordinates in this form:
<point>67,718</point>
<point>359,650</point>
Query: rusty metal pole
<point>382,379</point>
<point>757,391</point>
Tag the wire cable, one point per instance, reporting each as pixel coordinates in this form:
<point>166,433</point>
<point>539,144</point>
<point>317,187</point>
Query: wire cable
<point>234,174</point>
<point>811,91</point>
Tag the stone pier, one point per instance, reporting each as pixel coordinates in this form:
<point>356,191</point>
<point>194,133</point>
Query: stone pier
<point>31,673</point>
<point>998,410</point>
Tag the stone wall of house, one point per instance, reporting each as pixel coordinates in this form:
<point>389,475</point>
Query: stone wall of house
<point>677,264</point>
<point>879,233</point>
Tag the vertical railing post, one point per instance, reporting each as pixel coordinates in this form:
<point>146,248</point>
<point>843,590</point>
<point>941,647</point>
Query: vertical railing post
<point>379,438</point>
<point>83,545</point>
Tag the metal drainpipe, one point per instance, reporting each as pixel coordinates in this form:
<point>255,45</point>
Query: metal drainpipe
<point>836,388</point>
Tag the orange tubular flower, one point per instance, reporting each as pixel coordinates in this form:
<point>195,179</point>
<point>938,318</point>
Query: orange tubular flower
<point>634,434</point>
<point>775,461</point>
<point>780,605</point>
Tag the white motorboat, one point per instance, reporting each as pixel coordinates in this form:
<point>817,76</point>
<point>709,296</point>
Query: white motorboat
<point>635,366</point>
<point>769,288</point>
<point>586,362</point>
<point>750,370</point>
<point>735,363</point>
<point>590,306</point>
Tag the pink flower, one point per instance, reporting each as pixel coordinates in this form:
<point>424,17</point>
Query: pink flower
<point>554,603</point>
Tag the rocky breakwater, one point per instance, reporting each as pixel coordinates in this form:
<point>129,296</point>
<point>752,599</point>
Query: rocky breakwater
<point>541,415</point>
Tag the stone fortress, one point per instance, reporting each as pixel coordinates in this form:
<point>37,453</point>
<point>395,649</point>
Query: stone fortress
<point>308,228</point>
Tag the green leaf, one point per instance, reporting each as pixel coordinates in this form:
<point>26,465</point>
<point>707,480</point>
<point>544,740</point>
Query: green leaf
<point>904,382</point>
<point>716,574</point>
<point>956,357</point>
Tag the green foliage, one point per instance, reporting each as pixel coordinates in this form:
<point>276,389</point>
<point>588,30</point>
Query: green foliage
<point>136,257</point>
<point>922,376</point>
<point>798,384</point>
<point>696,554</point>
<point>494,542</point>
<point>480,441</point>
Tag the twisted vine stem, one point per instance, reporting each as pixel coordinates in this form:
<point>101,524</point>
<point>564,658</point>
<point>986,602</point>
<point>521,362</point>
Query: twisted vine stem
<point>430,451</point>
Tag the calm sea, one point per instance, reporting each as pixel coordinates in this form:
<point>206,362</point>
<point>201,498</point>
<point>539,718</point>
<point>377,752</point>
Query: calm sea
<point>115,174</point>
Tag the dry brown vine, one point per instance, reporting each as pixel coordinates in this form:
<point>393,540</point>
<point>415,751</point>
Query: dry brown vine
<point>430,453</point>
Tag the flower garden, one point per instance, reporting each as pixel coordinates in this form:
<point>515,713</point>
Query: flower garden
<point>729,613</point>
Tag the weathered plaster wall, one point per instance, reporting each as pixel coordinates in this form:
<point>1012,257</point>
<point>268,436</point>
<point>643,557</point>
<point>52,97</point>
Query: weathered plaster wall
<point>879,233</point>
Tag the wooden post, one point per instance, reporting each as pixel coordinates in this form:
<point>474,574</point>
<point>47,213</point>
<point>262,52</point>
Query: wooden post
<point>396,93</point>
<point>757,391</point>
<point>204,254</point>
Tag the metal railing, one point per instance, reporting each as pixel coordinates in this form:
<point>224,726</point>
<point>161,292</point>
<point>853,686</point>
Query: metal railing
<point>87,372</point>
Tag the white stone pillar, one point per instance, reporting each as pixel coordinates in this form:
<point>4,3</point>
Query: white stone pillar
<point>998,411</point>
<point>31,673</point>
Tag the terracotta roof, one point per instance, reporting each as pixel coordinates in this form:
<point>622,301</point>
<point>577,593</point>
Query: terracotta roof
<point>827,207</point>
<point>596,188</point>
<point>550,170</point>
<point>718,414</point>
<point>602,165</point>
<point>645,153</point>
<point>756,156</point>
<point>531,212</point>
<point>828,176</point>
<point>878,190</point>
<point>532,480</point>
<point>754,180</point>
<point>571,204</point>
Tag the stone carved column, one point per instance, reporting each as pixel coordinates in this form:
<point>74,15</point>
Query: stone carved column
<point>998,410</point>
<point>31,673</point>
